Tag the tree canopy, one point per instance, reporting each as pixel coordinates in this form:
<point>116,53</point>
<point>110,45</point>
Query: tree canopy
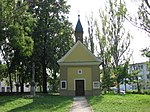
<point>34,31</point>
<point>114,41</point>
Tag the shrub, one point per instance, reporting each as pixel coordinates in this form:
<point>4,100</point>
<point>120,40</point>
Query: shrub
<point>146,92</point>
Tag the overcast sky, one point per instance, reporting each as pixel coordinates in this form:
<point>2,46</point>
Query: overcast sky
<point>85,7</point>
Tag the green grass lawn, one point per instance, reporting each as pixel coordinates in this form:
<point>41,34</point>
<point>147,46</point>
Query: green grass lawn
<point>120,103</point>
<point>49,103</point>
<point>45,103</point>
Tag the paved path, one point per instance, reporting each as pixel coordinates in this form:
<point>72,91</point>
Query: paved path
<point>80,104</point>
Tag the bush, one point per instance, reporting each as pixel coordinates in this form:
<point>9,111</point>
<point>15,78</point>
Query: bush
<point>136,92</point>
<point>146,92</point>
<point>132,92</point>
<point>129,91</point>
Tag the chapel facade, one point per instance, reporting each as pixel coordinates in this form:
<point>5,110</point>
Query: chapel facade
<point>79,69</point>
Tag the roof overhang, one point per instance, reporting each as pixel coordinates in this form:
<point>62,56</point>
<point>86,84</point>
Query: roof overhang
<point>79,63</point>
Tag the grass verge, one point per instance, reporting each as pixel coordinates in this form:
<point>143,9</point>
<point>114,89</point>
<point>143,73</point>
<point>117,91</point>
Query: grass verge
<point>120,103</point>
<point>45,103</point>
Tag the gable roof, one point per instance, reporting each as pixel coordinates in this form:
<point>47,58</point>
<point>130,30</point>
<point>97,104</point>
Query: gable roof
<point>79,55</point>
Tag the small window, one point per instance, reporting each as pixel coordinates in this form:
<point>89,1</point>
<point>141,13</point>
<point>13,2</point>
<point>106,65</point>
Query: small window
<point>96,85</point>
<point>63,84</point>
<point>3,89</point>
<point>79,71</point>
<point>8,89</point>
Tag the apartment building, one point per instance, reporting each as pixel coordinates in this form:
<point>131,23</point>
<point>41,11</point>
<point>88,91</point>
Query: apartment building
<point>142,73</point>
<point>4,86</point>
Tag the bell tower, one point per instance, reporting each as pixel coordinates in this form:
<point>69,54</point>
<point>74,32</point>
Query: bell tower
<point>79,31</point>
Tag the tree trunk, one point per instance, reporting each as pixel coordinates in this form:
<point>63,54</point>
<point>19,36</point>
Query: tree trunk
<point>105,73</point>
<point>44,67</point>
<point>22,84</point>
<point>44,79</point>
<point>125,86</point>
<point>108,88</point>
<point>33,80</point>
<point>10,81</point>
<point>138,87</point>
<point>118,87</point>
<point>54,82</point>
<point>40,88</point>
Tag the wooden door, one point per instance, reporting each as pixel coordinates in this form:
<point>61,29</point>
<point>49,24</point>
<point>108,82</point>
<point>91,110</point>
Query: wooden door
<point>79,88</point>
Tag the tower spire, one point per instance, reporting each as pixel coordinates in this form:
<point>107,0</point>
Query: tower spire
<point>79,31</point>
<point>78,16</point>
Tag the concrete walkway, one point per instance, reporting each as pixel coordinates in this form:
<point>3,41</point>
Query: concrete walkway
<point>80,104</point>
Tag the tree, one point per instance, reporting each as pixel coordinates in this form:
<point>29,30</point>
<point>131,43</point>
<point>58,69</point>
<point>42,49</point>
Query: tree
<point>144,15</point>
<point>146,53</point>
<point>104,54</point>
<point>123,73</point>
<point>115,41</point>
<point>52,37</point>
<point>15,31</point>
<point>142,19</point>
<point>3,70</point>
<point>135,77</point>
<point>89,40</point>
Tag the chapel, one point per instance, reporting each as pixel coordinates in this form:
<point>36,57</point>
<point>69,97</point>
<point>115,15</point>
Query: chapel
<point>79,69</point>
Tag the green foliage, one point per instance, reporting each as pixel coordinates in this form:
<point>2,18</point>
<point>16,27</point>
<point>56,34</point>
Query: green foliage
<point>135,77</point>
<point>113,41</point>
<point>37,31</point>
<point>122,71</point>
<point>144,15</point>
<point>120,103</point>
<point>89,41</point>
<point>52,37</point>
<point>144,21</point>
<point>104,52</point>
<point>19,41</point>
<point>3,70</point>
<point>17,25</point>
<point>16,29</point>
<point>146,52</point>
<point>145,92</point>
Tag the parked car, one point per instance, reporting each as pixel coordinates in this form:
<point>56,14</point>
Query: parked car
<point>122,92</point>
